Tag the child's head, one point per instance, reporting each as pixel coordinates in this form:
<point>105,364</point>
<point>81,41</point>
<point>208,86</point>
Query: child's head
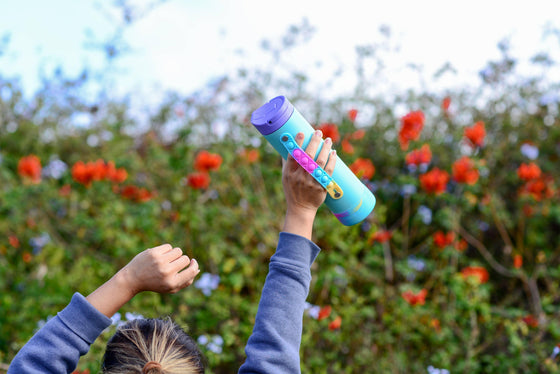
<point>151,346</point>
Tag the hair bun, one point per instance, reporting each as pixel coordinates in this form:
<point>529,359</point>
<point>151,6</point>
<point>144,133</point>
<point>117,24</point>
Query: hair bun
<point>151,367</point>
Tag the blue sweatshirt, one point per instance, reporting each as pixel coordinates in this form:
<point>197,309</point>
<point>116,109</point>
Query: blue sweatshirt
<point>272,348</point>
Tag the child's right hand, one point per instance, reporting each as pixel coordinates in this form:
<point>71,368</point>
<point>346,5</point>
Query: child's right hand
<point>162,269</point>
<point>304,195</point>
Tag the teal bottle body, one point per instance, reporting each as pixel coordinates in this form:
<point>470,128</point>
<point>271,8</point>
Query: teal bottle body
<point>357,200</point>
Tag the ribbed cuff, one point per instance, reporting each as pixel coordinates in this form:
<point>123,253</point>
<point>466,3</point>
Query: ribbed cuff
<point>297,248</point>
<point>83,319</point>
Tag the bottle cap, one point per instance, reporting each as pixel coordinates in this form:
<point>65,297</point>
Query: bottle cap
<point>272,115</point>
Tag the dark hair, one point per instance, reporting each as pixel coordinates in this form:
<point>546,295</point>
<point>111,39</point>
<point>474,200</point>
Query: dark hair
<point>151,346</point>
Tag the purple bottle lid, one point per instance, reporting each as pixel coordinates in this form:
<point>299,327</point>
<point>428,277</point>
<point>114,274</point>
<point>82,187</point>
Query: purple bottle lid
<point>272,115</point>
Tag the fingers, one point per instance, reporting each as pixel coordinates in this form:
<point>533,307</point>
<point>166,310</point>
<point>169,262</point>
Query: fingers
<point>160,249</point>
<point>324,153</point>
<point>314,143</point>
<point>186,277</point>
<point>331,163</point>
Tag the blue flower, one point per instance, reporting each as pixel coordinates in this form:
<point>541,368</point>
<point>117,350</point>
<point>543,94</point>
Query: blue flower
<point>207,283</point>
<point>39,242</point>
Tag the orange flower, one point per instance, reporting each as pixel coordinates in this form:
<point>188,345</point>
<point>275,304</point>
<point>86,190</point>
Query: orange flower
<point>29,168</point>
<point>206,161</point>
<point>517,261</point>
<point>324,312</point>
<point>250,155</point>
<point>335,324</point>
<point>198,180</point>
<point>475,134</point>
<point>330,130</point>
<point>419,156</point>
<point>363,168</point>
<point>26,257</point>
<point>347,147</point>
<point>415,299</point>
<point>480,273</point>
<point>14,241</point>
<point>464,171</point>
<point>445,103</point>
<point>442,240</point>
<point>434,181</point>
<point>435,324</point>
<point>528,171</point>
<point>411,127</point>
<point>352,114</point>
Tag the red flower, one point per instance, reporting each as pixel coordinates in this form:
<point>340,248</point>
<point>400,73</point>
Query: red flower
<point>411,127</point>
<point>198,180</point>
<point>137,194</point>
<point>445,103</point>
<point>352,114</point>
<point>86,173</point>
<point>528,171</point>
<point>347,147</point>
<point>363,168</point>
<point>461,245</point>
<point>65,190</point>
<point>250,156</point>
<point>14,241</point>
<point>419,156</point>
<point>29,168</point>
<point>324,312</point>
<point>464,171</point>
<point>115,175</point>
<point>540,188</point>
<point>434,181</point>
<point>530,320</point>
<point>380,236</point>
<point>358,134</point>
<point>206,161</point>
<point>330,130</point>
<point>517,261</point>
<point>475,134</point>
<point>415,299</point>
<point>335,324</point>
<point>480,273</point>
<point>442,240</point>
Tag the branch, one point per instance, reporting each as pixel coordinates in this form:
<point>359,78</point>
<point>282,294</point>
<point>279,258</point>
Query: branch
<point>486,254</point>
<point>501,229</point>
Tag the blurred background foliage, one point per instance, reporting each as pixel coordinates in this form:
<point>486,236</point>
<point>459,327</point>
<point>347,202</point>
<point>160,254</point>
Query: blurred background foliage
<point>392,293</point>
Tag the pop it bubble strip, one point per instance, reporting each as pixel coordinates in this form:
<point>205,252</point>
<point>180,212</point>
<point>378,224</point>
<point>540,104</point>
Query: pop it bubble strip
<point>302,158</point>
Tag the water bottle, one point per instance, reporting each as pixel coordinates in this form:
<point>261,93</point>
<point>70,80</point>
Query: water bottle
<point>347,197</point>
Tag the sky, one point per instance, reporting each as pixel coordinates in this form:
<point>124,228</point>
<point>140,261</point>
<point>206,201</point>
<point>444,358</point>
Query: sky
<point>183,44</point>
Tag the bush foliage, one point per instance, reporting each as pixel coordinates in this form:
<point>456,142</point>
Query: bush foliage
<point>456,268</point>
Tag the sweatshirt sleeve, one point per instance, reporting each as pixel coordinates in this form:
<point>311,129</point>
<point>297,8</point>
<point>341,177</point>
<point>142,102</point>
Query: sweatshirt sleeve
<point>57,346</point>
<point>274,344</point>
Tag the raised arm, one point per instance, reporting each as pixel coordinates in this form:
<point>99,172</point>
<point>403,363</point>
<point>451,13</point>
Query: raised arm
<point>274,344</point>
<point>57,347</point>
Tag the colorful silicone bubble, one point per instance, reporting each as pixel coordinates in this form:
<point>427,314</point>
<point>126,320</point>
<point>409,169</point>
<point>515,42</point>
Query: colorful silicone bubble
<point>317,172</point>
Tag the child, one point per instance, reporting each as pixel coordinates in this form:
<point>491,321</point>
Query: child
<point>152,346</point>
